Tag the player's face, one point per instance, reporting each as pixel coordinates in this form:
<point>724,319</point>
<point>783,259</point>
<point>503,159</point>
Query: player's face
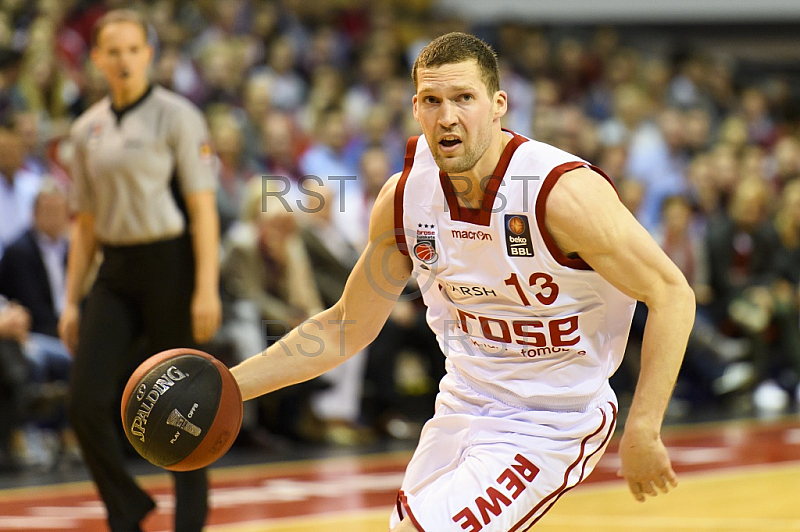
<point>123,55</point>
<point>457,114</point>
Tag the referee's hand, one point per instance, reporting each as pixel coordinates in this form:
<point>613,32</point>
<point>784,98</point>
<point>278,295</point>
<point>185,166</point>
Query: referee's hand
<point>206,315</point>
<point>68,326</point>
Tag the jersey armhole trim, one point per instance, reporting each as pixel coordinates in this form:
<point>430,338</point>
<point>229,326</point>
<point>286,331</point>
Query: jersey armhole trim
<point>399,231</point>
<point>541,210</point>
<point>404,501</point>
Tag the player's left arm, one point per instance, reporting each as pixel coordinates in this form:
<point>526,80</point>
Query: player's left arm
<point>204,224</point>
<point>585,216</point>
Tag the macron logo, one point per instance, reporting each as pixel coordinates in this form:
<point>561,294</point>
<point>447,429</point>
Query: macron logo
<point>471,235</point>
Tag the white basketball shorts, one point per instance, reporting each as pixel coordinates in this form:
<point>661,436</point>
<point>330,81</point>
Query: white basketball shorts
<point>482,465</point>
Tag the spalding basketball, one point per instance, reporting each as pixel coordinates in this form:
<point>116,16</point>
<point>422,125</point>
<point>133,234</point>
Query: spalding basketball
<point>181,409</point>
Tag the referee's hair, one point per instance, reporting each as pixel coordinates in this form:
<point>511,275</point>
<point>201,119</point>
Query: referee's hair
<point>118,15</point>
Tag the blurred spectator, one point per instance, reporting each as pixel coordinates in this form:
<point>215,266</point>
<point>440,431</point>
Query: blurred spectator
<point>287,87</point>
<point>18,188</point>
<point>760,127</point>
<point>47,89</point>
<point>329,159</point>
<point>326,92</point>
<point>11,99</point>
<point>659,161</point>
<point>787,223</point>
<point>32,273</point>
<point>713,362</point>
<point>268,289</point>
<point>226,139</point>
<point>26,126</point>
<point>332,258</point>
<point>279,153</point>
<point>14,377</point>
<point>375,68</point>
<point>266,273</point>
<point>740,244</point>
<point>743,249</point>
<point>33,267</point>
<point>787,267</point>
<point>256,105</point>
<point>786,162</point>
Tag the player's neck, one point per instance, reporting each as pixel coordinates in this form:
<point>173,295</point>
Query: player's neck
<point>472,197</point>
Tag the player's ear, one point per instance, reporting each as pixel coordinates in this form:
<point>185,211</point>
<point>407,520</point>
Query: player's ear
<point>414,107</point>
<point>500,104</point>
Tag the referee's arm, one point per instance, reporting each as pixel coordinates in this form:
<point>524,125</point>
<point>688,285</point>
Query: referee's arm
<point>82,247</point>
<point>204,223</point>
<point>198,183</point>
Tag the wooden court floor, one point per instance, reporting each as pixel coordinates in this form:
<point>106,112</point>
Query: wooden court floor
<point>740,476</point>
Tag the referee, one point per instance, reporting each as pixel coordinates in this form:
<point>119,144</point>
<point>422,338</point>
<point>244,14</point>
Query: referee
<point>144,193</point>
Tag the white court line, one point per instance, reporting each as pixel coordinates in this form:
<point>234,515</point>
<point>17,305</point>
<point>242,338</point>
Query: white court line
<point>587,522</point>
<point>27,522</point>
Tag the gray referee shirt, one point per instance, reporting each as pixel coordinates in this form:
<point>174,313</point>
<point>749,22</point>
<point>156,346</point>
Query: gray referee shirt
<point>125,160</point>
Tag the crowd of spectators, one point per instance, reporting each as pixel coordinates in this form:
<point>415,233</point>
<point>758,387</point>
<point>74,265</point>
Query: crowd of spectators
<point>707,161</point>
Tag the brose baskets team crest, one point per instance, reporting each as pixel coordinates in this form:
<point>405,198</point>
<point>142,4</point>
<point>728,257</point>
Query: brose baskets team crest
<point>518,236</point>
<point>425,248</point>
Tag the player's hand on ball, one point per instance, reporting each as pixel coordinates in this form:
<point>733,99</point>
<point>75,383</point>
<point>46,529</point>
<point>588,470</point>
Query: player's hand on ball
<point>645,464</point>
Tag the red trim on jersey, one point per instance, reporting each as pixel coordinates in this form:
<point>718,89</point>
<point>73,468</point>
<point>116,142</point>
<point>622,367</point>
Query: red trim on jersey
<point>563,488</point>
<point>483,215</point>
<point>399,231</point>
<point>540,208</point>
<point>404,500</point>
<point>399,505</point>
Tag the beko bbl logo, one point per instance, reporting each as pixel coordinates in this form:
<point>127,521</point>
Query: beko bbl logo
<point>518,236</point>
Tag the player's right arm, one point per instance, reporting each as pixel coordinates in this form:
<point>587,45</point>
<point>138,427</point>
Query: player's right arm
<point>334,335</point>
<point>82,247</point>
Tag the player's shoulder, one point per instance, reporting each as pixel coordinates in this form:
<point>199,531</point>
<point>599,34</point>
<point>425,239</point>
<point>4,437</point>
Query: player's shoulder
<point>386,197</point>
<point>547,153</point>
<point>382,216</point>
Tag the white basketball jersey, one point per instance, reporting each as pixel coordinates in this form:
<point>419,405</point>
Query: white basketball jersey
<point>515,317</point>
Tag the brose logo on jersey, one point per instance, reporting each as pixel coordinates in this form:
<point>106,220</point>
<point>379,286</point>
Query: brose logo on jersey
<point>518,236</point>
<point>425,248</point>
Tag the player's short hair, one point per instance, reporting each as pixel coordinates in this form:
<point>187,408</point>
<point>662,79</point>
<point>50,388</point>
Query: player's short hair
<point>457,47</point>
<point>118,15</point>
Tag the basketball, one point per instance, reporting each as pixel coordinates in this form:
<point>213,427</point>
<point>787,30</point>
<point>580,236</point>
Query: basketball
<point>181,409</point>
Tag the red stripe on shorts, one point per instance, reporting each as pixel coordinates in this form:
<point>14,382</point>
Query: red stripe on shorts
<point>564,488</point>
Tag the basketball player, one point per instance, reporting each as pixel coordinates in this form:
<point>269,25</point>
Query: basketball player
<point>530,276</point>
<point>144,192</point>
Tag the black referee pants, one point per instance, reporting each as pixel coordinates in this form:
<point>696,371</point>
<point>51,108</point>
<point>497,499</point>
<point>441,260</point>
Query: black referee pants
<point>141,298</point>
